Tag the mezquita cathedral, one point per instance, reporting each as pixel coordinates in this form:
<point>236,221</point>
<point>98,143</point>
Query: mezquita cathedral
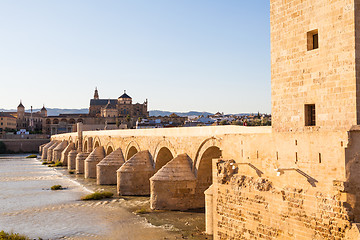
<point>117,113</point>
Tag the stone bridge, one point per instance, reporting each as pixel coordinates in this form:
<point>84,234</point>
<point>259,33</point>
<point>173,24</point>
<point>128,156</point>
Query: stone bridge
<point>146,152</point>
<point>280,184</point>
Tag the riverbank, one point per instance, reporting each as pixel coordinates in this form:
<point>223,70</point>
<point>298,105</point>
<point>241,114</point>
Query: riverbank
<point>29,207</point>
<point>185,224</point>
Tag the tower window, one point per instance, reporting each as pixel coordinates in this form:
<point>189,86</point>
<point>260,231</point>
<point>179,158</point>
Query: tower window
<point>312,40</point>
<point>310,115</point>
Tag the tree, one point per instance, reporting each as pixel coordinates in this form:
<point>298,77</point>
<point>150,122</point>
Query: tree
<point>223,122</point>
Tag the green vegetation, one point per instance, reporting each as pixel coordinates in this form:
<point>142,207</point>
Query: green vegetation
<point>32,156</point>
<point>2,147</point>
<point>56,187</point>
<point>142,211</point>
<point>58,164</point>
<point>12,236</point>
<point>97,196</point>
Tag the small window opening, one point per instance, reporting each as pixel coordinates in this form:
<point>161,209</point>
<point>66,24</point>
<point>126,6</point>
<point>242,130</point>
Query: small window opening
<point>257,154</point>
<point>312,40</point>
<point>296,158</point>
<point>277,155</point>
<point>342,144</point>
<point>295,142</point>
<point>310,115</point>
<point>319,157</point>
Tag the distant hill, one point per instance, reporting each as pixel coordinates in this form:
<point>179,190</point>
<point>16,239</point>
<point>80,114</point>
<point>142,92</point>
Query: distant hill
<point>57,111</point>
<point>54,111</point>
<point>182,114</point>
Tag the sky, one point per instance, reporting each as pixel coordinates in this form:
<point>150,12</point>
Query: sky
<point>181,55</point>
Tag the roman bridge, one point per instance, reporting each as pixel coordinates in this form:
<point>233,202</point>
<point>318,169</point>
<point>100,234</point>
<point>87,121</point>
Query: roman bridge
<point>179,159</point>
<point>252,175</point>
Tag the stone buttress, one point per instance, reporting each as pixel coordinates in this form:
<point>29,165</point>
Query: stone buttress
<point>106,169</point>
<point>72,159</point>
<point>79,162</point>
<point>58,150</point>
<point>65,153</point>
<point>133,176</point>
<point>92,160</point>
<point>173,186</point>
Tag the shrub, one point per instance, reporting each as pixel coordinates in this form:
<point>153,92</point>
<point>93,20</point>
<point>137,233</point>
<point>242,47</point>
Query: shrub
<point>141,211</point>
<point>56,187</point>
<point>12,236</point>
<point>58,164</point>
<point>97,196</point>
<point>32,156</point>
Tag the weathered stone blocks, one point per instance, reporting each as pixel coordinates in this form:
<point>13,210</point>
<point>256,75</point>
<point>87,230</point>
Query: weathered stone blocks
<point>65,153</point>
<point>92,160</point>
<point>58,150</point>
<point>173,186</point>
<point>106,169</point>
<point>79,162</point>
<point>45,149</point>
<point>72,159</point>
<point>50,151</point>
<point>133,177</point>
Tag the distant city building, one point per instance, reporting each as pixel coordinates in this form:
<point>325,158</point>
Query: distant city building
<point>103,114</point>
<point>7,121</point>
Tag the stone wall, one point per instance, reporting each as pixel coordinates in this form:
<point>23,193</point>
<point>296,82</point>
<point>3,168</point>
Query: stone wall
<point>327,76</point>
<point>255,208</point>
<point>23,145</point>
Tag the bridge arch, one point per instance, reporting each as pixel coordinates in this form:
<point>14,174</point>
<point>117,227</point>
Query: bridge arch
<point>85,146</point>
<point>109,148</point>
<point>204,146</point>
<point>164,153</point>
<point>97,142</point>
<point>208,150</point>
<point>131,149</point>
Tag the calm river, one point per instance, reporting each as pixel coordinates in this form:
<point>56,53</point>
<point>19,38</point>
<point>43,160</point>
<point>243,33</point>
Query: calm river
<point>29,207</point>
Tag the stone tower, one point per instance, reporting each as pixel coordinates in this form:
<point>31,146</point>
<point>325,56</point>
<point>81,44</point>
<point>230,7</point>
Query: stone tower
<point>96,94</point>
<point>315,79</point>
<point>43,111</point>
<point>20,111</point>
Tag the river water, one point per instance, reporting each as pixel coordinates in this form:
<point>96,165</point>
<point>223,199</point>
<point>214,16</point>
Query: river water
<point>29,207</point>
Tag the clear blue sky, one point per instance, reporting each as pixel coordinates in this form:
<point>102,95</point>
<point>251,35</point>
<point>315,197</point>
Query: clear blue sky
<point>204,55</point>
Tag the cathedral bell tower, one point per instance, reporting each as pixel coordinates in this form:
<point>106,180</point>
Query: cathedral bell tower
<point>96,94</point>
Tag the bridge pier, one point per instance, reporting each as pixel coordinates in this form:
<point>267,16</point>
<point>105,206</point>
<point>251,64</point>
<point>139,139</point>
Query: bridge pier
<point>173,186</point>
<point>209,208</point>
<point>133,176</point>
<point>45,150</point>
<point>92,160</point>
<point>106,169</point>
<point>50,151</point>
<point>72,159</point>
<point>79,162</point>
<point>65,153</point>
<point>58,150</point>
